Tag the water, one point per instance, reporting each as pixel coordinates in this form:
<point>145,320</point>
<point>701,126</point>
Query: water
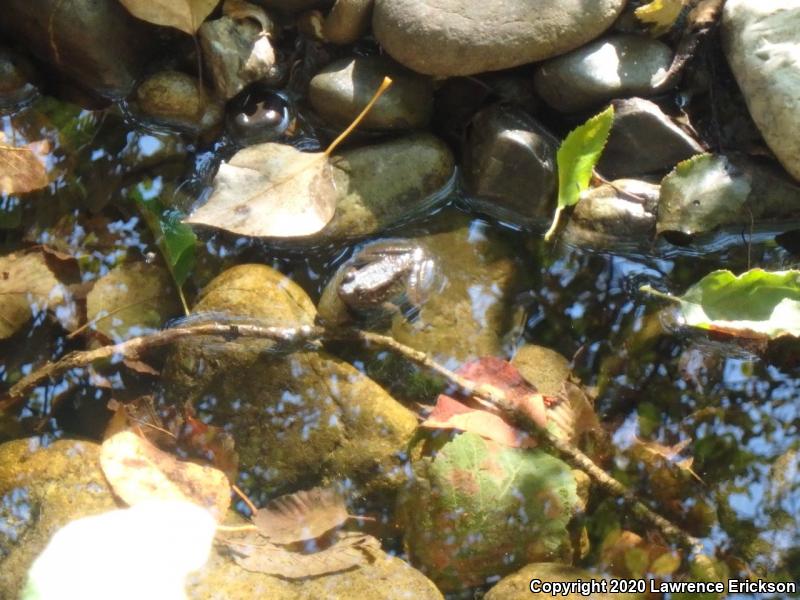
<point>653,379</point>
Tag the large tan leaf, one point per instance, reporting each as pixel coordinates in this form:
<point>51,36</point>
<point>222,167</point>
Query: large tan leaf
<point>21,170</point>
<point>270,190</point>
<point>28,286</point>
<point>139,472</point>
<point>186,15</point>
<point>304,515</point>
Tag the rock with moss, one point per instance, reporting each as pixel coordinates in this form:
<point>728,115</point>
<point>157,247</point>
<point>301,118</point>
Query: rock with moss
<point>299,416</point>
<point>178,100</point>
<point>43,489</point>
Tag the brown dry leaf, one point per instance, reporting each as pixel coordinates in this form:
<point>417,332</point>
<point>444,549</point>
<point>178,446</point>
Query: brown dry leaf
<point>186,15</point>
<point>621,550</point>
<point>21,168</point>
<point>304,515</point>
<point>212,444</point>
<point>28,286</point>
<point>270,190</point>
<point>138,472</point>
<point>352,550</point>
<point>668,453</point>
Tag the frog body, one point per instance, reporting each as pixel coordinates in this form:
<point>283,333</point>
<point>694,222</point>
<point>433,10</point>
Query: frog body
<point>381,280</point>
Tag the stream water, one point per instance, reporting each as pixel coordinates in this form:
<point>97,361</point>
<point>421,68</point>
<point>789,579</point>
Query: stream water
<point>653,379</point>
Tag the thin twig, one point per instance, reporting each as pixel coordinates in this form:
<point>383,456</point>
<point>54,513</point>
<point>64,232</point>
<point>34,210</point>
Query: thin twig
<point>135,347</point>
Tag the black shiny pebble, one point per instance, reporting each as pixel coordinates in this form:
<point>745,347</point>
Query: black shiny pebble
<point>258,114</point>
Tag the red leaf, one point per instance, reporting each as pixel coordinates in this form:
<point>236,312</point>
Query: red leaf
<point>477,416</point>
<point>452,414</point>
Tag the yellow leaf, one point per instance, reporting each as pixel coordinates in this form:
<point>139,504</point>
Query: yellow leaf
<point>186,15</point>
<point>660,15</point>
<point>138,472</point>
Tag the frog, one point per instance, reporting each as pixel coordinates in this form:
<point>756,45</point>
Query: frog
<point>381,280</point>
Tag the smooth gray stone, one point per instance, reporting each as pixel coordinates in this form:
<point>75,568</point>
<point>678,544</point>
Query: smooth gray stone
<point>761,43</point>
<point>95,42</point>
<point>644,140</point>
<point>612,67</point>
<point>463,37</point>
<point>510,166</point>
<point>342,89</point>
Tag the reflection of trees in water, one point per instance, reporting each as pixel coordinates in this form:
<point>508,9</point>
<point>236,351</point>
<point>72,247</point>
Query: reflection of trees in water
<point>740,412</point>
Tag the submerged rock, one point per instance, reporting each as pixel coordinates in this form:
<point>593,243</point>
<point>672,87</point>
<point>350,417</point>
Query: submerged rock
<point>472,309</point>
<point>463,37</point>
<point>477,509</point>
<point>176,99</point>
<point>612,67</point>
<point>617,215</point>
<point>342,89</point>
<point>510,167</point>
<point>348,21</point>
<point>383,185</point>
<point>43,489</point>
<point>298,417</point>
<point>96,42</point>
<point>761,44</point>
<point>16,80</point>
<point>644,140</point>
<point>517,585</point>
<point>711,191</point>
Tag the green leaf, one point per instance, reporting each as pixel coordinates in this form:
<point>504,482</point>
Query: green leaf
<point>175,239</point>
<point>756,304</point>
<point>577,157</point>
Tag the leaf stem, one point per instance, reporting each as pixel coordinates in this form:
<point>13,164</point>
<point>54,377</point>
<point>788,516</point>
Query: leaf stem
<point>654,292</point>
<point>387,81</point>
<point>553,226</point>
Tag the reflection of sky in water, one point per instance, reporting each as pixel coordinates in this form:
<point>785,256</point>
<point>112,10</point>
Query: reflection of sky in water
<point>578,288</point>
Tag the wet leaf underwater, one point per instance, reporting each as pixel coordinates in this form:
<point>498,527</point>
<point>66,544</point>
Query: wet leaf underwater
<point>21,168</point>
<point>465,414</point>
<point>139,472</point>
